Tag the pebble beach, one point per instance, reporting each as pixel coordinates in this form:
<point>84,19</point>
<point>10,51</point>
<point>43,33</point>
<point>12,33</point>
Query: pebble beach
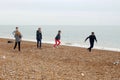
<point>62,63</point>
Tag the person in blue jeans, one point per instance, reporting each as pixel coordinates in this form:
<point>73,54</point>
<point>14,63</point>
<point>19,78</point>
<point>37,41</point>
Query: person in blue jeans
<point>39,38</point>
<point>92,39</point>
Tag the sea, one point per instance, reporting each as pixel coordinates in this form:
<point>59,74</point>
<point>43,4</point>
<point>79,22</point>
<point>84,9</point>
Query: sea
<point>72,35</point>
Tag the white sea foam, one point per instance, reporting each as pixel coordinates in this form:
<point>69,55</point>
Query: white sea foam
<point>78,45</point>
<point>96,47</point>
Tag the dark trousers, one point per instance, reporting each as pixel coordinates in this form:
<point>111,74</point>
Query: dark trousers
<point>39,43</point>
<point>16,45</point>
<point>91,46</point>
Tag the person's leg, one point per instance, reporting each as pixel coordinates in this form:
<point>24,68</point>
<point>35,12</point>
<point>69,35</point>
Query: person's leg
<point>58,42</point>
<point>91,46</point>
<point>15,45</point>
<point>19,46</point>
<point>37,43</point>
<point>40,43</point>
<point>55,43</point>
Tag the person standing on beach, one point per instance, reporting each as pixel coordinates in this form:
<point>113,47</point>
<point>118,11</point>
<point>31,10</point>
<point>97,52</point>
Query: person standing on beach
<point>39,38</point>
<point>57,39</point>
<point>91,38</point>
<point>18,38</point>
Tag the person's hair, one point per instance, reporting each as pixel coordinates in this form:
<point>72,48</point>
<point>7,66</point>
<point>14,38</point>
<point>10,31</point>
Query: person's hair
<point>92,32</point>
<point>39,28</point>
<point>59,31</point>
<point>16,27</point>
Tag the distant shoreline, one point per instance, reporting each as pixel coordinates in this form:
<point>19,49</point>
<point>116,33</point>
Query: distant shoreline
<point>72,45</point>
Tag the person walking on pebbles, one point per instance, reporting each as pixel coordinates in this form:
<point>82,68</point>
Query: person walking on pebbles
<point>91,38</point>
<point>57,39</point>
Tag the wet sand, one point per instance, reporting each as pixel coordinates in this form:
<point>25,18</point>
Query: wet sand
<point>63,63</point>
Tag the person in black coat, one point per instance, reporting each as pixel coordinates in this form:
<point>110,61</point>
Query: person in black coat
<point>91,38</point>
<point>39,37</point>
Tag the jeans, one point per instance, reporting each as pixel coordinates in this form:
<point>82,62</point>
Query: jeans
<point>91,46</point>
<point>39,43</point>
<point>18,45</point>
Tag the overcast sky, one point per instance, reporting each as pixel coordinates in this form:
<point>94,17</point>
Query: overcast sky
<point>60,12</point>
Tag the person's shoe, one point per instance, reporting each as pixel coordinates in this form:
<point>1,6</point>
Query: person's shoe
<point>89,49</point>
<point>56,46</point>
<point>53,47</point>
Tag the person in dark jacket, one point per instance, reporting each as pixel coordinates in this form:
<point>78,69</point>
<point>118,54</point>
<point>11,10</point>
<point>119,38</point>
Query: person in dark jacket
<point>39,37</point>
<point>57,39</point>
<point>91,38</point>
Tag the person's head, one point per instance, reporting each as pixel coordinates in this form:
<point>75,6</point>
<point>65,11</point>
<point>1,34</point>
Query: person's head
<point>16,28</point>
<point>92,33</point>
<point>59,31</point>
<point>39,28</point>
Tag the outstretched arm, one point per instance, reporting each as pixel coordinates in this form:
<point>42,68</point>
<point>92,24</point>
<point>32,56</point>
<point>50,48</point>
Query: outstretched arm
<point>86,39</point>
<point>13,32</point>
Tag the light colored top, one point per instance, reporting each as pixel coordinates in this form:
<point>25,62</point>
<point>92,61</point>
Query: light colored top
<point>17,36</point>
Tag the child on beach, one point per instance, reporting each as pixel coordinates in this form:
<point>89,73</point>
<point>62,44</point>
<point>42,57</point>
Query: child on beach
<point>91,38</point>
<point>18,38</point>
<point>57,39</point>
<point>39,37</point>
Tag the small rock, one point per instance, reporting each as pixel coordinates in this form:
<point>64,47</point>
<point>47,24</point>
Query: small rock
<point>82,74</point>
<point>116,62</point>
<point>3,57</point>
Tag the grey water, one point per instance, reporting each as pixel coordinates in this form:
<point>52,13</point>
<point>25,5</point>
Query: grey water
<point>72,35</point>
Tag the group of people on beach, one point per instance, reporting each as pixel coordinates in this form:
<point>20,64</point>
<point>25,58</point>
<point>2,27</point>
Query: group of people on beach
<point>18,36</point>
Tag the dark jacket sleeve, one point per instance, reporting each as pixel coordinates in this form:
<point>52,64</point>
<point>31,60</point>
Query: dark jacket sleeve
<point>95,39</point>
<point>87,38</point>
<point>41,35</point>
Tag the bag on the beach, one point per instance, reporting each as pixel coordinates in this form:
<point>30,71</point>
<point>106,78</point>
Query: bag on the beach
<point>10,41</point>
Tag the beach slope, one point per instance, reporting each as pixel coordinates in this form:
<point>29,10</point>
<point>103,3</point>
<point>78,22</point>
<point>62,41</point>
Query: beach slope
<point>63,63</point>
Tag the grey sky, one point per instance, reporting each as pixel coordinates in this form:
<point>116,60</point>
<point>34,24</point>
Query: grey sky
<point>62,12</point>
